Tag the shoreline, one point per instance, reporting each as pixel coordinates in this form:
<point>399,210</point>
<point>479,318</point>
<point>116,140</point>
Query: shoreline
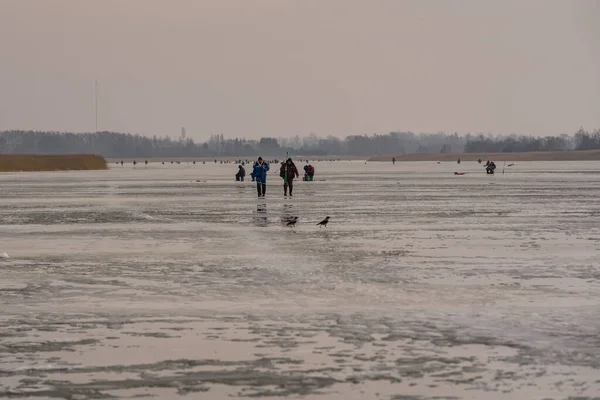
<point>129,160</point>
<point>574,155</point>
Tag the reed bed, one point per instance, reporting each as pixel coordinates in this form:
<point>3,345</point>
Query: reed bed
<point>36,162</point>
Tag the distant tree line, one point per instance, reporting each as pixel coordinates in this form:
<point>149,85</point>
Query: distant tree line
<point>582,140</point>
<point>518,144</point>
<point>121,145</point>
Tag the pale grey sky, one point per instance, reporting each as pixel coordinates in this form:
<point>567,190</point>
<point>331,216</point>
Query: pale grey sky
<point>284,67</point>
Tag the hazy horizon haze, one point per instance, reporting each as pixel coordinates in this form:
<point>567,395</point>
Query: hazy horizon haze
<point>280,68</point>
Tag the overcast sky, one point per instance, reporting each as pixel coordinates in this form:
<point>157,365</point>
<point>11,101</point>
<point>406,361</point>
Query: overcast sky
<point>283,67</point>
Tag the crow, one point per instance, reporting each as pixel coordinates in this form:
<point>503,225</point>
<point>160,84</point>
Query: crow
<point>324,222</point>
<point>292,222</point>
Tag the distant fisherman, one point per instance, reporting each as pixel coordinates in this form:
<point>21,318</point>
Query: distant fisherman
<point>309,172</point>
<point>239,177</point>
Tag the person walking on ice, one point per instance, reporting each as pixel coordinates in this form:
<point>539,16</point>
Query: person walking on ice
<point>259,173</point>
<point>288,172</point>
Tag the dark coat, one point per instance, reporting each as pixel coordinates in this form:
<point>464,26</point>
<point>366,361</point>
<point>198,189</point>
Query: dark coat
<point>292,171</point>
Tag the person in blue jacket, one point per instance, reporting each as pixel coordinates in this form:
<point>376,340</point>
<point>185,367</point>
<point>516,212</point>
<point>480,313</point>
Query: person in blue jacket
<point>259,173</point>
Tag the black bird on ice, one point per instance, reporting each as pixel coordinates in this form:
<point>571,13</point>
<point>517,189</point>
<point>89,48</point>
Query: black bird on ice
<point>324,222</point>
<point>292,221</point>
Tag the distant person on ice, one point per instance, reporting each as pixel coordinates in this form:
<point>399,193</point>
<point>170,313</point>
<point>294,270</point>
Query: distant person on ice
<point>490,167</point>
<point>239,177</point>
<point>259,174</point>
<point>288,172</point>
<point>309,172</point>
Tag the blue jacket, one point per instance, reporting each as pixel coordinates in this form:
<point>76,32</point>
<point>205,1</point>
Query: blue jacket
<point>260,174</point>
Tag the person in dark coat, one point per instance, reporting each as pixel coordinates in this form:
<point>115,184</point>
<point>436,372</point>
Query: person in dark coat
<point>288,172</point>
<point>239,177</point>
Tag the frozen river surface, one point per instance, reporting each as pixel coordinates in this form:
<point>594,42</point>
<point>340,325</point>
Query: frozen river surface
<point>172,281</point>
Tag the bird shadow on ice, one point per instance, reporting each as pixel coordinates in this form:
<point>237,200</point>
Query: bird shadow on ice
<point>287,214</point>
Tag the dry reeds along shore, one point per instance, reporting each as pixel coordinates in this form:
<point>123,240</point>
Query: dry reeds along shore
<point>35,162</point>
<point>579,155</point>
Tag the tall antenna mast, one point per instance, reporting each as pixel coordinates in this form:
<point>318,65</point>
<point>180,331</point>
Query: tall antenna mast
<point>96,103</point>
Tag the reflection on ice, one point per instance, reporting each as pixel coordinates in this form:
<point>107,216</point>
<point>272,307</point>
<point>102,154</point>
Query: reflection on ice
<point>261,215</point>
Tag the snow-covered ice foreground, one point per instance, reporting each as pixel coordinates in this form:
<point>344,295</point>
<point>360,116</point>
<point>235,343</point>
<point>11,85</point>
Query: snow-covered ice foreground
<point>174,281</point>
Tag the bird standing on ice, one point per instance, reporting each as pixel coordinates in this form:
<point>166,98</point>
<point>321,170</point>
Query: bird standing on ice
<point>292,222</point>
<point>324,222</point>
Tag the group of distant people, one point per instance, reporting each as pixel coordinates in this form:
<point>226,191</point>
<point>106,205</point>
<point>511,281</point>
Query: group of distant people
<point>134,162</point>
<point>287,171</point>
<point>146,162</point>
<point>490,166</point>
